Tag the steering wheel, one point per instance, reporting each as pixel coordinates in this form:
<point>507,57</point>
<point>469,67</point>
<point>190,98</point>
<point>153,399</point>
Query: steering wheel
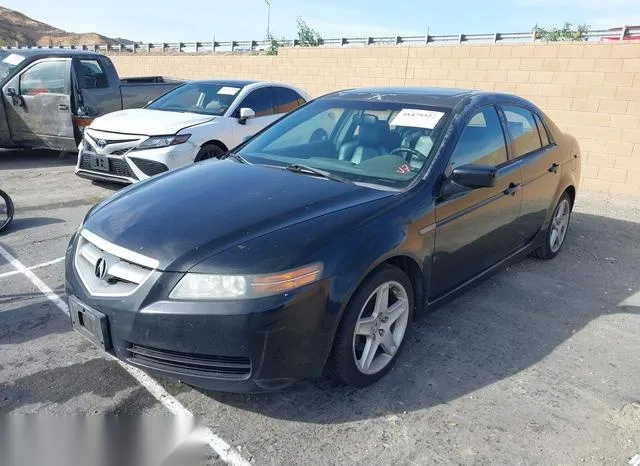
<point>318,135</point>
<point>409,151</point>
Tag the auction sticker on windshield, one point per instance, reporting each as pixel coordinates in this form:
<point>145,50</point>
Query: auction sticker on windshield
<point>228,91</point>
<point>417,118</point>
<point>13,59</point>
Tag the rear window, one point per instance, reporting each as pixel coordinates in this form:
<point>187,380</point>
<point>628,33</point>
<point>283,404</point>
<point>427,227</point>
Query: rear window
<point>523,129</point>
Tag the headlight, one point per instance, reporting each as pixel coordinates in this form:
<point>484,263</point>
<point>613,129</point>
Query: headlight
<point>204,286</point>
<point>163,141</point>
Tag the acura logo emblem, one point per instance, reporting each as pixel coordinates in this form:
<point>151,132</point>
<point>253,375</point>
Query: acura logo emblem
<point>100,270</point>
<point>101,143</point>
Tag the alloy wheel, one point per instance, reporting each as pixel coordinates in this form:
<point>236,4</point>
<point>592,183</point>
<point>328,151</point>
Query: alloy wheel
<point>380,327</point>
<point>559,225</point>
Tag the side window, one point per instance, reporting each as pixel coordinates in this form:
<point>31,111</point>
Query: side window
<point>91,75</point>
<point>544,137</point>
<point>523,130</point>
<point>260,100</point>
<point>286,99</point>
<point>481,142</point>
<point>47,77</point>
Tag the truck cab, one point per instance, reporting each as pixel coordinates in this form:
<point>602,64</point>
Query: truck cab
<point>49,96</point>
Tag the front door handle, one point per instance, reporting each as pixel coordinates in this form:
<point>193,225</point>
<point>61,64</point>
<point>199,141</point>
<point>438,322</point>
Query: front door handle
<point>554,167</point>
<point>63,107</point>
<point>512,189</point>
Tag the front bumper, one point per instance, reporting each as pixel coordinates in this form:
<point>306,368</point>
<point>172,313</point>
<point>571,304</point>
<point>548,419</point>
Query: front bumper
<point>134,166</point>
<point>239,346</point>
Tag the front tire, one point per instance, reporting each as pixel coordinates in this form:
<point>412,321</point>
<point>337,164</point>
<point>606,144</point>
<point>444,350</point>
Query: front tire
<point>209,151</point>
<point>6,210</point>
<point>374,328</point>
<point>557,230</point>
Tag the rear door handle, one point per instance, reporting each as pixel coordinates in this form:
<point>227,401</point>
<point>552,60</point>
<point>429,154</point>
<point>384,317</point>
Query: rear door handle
<point>63,107</point>
<point>512,189</point>
<point>554,167</point>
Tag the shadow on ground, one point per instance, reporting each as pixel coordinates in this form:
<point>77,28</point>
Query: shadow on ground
<point>19,159</point>
<point>502,327</point>
<point>33,222</point>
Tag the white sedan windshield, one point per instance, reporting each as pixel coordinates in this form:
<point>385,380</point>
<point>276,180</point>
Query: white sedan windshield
<point>379,143</point>
<point>204,98</point>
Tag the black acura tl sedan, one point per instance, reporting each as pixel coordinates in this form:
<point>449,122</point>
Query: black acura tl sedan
<point>309,249</point>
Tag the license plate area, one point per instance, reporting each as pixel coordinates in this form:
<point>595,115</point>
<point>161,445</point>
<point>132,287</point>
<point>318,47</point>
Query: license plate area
<point>97,162</point>
<point>91,324</point>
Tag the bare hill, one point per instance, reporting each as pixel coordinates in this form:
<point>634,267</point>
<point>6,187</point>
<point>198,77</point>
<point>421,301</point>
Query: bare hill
<point>16,27</point>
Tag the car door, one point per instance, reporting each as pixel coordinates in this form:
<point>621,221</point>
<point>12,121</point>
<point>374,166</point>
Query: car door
<point>98,94</point>
<point>475,228</point>
<point>261,101</point>
<point>540,163</point>
<point>38,105</point>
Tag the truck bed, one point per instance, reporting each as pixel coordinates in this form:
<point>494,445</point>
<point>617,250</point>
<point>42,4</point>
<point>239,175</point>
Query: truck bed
<point>138,91</point>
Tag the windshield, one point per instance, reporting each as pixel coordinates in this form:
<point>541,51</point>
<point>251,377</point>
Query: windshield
<point>384,144</point>
<point>207,99</point>
<point>7,62</point>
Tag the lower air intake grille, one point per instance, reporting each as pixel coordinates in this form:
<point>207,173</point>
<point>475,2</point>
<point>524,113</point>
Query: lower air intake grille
<point>149,167</point>
<point>223,367</point>
<point>117,167</point>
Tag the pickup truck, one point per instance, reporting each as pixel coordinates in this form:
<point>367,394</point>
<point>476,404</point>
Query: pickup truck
<point>49,96</point>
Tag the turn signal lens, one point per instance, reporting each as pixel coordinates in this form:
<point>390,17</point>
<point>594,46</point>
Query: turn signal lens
<point>287,281</point>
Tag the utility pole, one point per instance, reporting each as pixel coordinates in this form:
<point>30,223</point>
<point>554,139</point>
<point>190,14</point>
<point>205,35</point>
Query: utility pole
<point>268,18</point>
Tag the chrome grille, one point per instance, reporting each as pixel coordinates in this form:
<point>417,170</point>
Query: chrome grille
<point>120,272</point>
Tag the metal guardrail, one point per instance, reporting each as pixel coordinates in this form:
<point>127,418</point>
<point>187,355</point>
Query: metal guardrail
<point>620,33</point>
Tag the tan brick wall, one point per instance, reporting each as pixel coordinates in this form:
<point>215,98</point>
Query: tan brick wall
<point>591,90</point>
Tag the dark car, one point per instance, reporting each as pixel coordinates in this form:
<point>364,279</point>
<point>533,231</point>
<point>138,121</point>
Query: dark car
<point>311,247</point>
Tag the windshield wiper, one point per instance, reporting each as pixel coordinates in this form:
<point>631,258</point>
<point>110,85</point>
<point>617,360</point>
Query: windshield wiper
<point>297,168</point>
<point>238,157</point>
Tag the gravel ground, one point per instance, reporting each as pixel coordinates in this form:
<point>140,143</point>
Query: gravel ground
<point>538,365</point>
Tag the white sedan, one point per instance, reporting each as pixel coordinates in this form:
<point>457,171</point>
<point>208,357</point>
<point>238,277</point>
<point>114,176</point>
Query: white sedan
<point>196,121</point>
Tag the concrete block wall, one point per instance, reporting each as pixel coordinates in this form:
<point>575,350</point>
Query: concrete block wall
<point>591,90</point>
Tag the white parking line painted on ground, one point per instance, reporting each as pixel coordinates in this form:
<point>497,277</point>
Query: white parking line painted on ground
<point>37,266</point>
<point>218,445</point>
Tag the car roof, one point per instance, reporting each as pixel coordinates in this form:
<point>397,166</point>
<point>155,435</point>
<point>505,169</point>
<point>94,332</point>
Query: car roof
<point>47,52</point>
<point>436,96</point>
<point>226,82</point>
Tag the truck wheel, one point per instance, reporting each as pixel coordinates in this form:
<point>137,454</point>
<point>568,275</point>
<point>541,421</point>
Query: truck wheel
<point>209,151</point>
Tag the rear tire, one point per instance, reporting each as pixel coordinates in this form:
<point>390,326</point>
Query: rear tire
<point>557,231</point>
<point>373,329</point>
<point>209,151</point>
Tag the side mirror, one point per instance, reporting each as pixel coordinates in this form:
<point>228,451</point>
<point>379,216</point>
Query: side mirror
<point>15,98</point>
<point>475,176</point>
<point>245,114</point>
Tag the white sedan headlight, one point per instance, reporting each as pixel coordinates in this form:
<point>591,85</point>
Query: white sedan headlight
<point>211,287</point>
<point>155,142</point>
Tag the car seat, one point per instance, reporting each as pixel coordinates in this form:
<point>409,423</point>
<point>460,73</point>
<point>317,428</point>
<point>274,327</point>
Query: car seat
<point>368,144</point>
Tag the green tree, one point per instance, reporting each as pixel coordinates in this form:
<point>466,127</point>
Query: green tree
<point>307,36</point>
<point>568,32</point>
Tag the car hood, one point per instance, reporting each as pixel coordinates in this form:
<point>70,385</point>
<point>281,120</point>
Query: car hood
<point>148,122</point>
<point>186,216</point>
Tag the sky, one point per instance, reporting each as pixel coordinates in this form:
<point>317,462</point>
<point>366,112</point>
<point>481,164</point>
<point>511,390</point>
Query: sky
<point>200,20</point>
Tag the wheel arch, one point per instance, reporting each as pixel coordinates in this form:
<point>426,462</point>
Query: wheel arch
<point>216,142</point>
